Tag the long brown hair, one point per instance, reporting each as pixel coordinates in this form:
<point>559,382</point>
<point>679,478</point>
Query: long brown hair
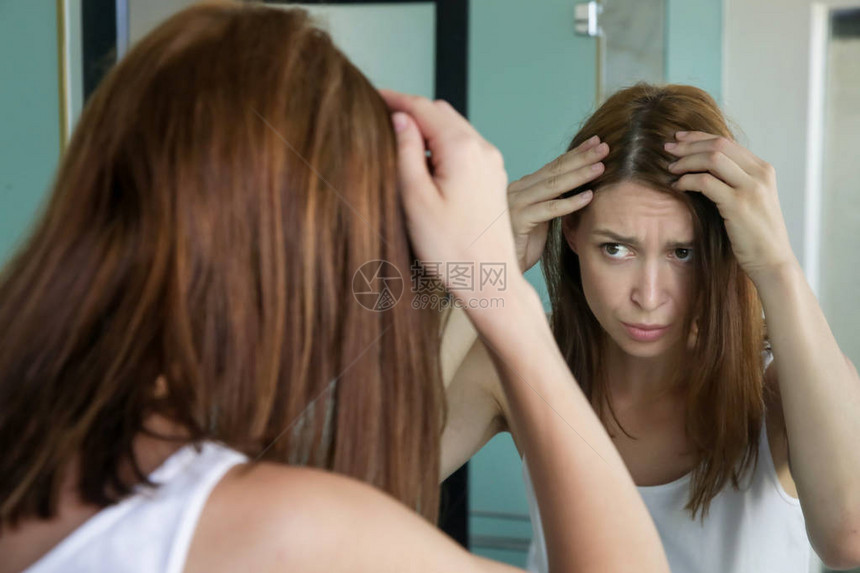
<point>723,371</point>
<point>224,184</point>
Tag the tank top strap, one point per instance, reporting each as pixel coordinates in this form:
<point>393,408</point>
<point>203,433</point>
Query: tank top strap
<point>213,462</point>
<point>152,529</point>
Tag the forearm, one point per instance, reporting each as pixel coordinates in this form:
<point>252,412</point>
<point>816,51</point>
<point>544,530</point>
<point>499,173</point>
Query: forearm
<point>821,403</point>
<point>593,516</point>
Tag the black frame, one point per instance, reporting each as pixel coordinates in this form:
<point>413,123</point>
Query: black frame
<point>845,23</point>
<point>99,38</point>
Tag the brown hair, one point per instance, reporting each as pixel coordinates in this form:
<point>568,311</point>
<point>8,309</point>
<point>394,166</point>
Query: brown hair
<point>723,370</point>
<point>224,184</point>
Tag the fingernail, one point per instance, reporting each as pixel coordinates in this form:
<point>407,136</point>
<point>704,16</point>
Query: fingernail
<point>593,139</point>
<point>597,167</point>
<point>586,194</point>
<point>399,120</point>
<point>680,133</point>
<point>671,145</point>
<point>672,165</point>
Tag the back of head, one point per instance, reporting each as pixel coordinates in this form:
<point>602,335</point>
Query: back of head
<point>724,392</point>
<point>223,186</point>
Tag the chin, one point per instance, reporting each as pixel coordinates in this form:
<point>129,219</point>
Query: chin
<point>640,350</point>
<point>636,349</point>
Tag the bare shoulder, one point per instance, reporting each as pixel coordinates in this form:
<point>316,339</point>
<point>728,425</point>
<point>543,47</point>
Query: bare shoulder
<point>263,517</point>
<point>777,435</point>
<point>269,517</point>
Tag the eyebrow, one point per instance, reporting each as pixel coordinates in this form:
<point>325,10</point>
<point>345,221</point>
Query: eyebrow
<point>635,241</point>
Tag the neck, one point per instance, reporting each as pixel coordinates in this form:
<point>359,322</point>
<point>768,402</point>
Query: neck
<point>634,380</point>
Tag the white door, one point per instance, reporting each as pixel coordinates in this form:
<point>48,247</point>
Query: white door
<point>791,73</point>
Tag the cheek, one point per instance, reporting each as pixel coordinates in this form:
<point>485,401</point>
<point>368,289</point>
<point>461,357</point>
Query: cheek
<point>683,289</point>
<point>603,289</point>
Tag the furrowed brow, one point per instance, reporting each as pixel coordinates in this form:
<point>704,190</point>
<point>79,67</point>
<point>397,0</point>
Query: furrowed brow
<point>611,235</point>
<point>680,245</point>
<point>616,237</point>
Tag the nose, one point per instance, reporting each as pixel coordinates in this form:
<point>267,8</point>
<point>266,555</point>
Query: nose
<point>648,289</point>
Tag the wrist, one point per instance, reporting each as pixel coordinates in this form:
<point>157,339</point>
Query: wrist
<point>777,274</point>
<point>517,303</point>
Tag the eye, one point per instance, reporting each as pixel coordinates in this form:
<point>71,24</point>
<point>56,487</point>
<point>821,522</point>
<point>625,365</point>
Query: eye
<point>614,250</point>
<point>683,255</point>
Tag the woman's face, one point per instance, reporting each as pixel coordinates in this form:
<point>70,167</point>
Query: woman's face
<point>635,248</point>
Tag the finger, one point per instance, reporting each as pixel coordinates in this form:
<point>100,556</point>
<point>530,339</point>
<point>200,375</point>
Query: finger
<point>694,136</point>
<point>587,153</point>
<point>548,210</point>
<point>451,139</point>
<point>590,143</point>
<point>413,175</point>
<point>711,187</point>
<point>555,185</point>
<point>716,163</point>
<point>434,119</point>
<point>697,142</point>
<point>403,102</point>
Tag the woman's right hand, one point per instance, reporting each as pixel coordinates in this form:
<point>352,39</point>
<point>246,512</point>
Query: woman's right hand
<point>455,209</point>
<point>533,200</point>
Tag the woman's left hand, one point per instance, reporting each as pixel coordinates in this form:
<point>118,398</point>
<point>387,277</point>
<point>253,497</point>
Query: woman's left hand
<point>744,190</point>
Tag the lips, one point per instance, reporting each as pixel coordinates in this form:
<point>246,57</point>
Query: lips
<point>645,332</point>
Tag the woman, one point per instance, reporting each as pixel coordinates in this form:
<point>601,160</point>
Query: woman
<point>655,289</point>
<point>180,331</point>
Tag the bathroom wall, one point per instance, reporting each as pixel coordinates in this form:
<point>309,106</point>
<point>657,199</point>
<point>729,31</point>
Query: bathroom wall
<point>29,113</point>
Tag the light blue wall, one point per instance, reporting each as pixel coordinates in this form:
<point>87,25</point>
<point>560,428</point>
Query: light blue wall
<point>29,113</point>
<point>531,81</point>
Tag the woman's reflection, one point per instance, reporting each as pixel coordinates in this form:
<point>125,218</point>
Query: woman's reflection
<point>657,291</point>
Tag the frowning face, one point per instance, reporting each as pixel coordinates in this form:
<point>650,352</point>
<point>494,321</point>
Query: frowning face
<point>635,248</point>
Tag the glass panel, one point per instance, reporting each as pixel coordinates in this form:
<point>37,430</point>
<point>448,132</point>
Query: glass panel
<point>394,45</point>
<point>144,15</point>
<point>633,43</point>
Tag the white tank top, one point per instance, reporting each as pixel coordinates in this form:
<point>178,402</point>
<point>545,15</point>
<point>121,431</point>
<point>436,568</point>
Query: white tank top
<point>758,528</point>
<point>151,529</point>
